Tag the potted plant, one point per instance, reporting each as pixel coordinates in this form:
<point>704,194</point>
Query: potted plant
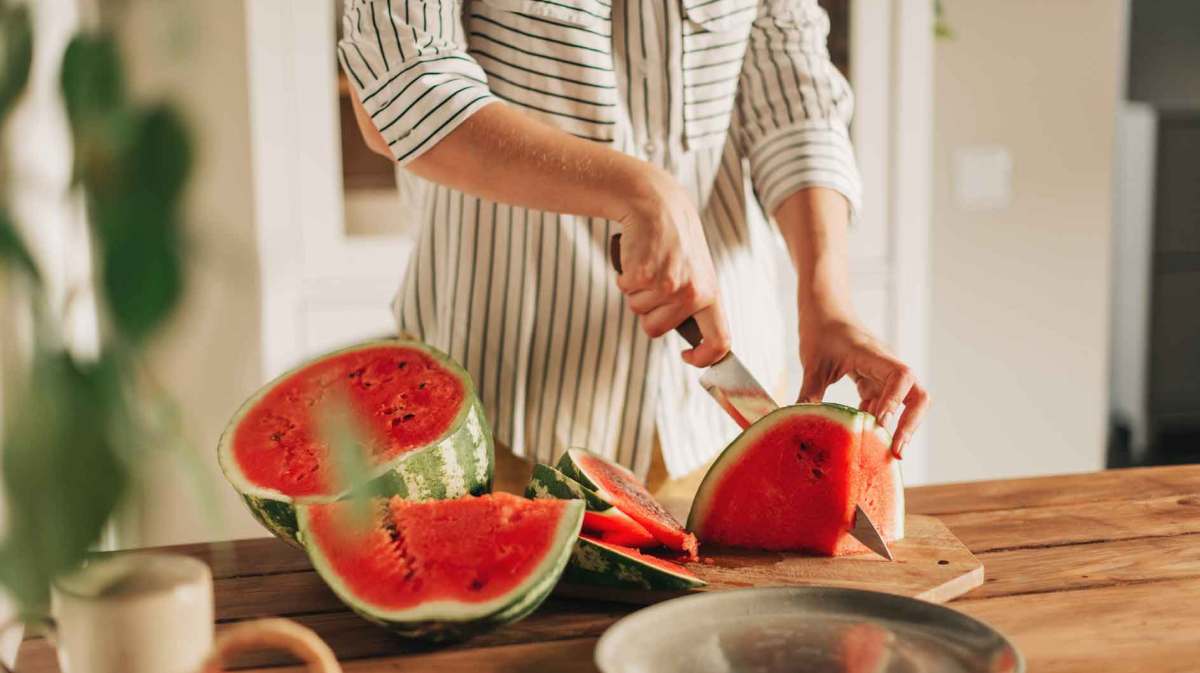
<point>73,425</point>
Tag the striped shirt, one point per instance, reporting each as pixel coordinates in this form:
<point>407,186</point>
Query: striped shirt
<point>736,98</point>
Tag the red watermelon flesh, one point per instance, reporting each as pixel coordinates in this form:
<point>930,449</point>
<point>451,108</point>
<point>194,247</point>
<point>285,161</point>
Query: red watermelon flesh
<point>620,530</point>
<point>792,480</point>
<point>623,490</point>
<point>865,648</point>
<point>880,490</point>
<point>469,550</point>
<point>401,395</point>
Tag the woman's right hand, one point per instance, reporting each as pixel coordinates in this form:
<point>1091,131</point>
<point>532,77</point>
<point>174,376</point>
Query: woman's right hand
<point>667,271</point>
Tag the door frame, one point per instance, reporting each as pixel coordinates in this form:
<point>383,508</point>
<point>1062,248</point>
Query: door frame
<point>306,260</point>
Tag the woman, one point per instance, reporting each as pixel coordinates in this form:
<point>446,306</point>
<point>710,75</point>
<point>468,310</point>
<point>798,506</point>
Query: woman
<point>548,126</point>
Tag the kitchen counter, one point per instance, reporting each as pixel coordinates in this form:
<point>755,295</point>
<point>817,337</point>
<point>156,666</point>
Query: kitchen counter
<point>1091,573</point>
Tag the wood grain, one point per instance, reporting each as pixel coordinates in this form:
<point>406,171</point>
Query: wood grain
<point>560,656</point>
<point>352,637</point>
<point>1091,565</point>
<point>931,564</point>
<point>1093,487</point>
<point>244,558</point>
<point>1076,523</point>
<point>1087,573</point>
<point>1142,628</point>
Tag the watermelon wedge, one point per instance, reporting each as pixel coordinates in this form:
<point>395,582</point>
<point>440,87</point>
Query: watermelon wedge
<point>600,563</point>
<point>791,481</point>
<point>425,431</point>
<point>442,569</point>
<point>601,519</point>
<point>619,487</point>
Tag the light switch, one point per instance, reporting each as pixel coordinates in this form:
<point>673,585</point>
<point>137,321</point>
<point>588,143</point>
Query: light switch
<point>982,177</point>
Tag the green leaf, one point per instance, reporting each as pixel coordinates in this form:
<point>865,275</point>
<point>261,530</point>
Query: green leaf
<point>135,214</point>
<point>161,154</point>
<point>16,55</point>
<point>92,81</point>
<point>62,474</point>
<point>13,250</point>
<point>142,276</point>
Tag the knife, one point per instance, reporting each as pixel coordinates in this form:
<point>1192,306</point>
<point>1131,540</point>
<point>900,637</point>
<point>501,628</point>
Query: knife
<point>745,400</point>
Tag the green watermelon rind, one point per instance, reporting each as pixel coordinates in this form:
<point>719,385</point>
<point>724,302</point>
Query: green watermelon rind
<point>567,465</point>
<point>549,482</point>
<point>593,564</point>
<point>855,420</point>
<point>460,462</point>
<point>448,621</point>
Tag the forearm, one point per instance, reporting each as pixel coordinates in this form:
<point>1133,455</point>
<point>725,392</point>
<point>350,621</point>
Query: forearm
<point>505,155</point>
<point>814,223</point>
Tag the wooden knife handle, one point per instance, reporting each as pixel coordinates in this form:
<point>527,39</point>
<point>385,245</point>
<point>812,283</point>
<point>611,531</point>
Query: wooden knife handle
<point>688,329</point>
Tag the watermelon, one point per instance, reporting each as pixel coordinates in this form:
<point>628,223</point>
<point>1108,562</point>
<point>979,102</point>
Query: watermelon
<point>425,431</point>
<point>597,562</point>
<point>790,483</point>
<point>617,486</point>
<point>441,569</point>
<point>601,519</point>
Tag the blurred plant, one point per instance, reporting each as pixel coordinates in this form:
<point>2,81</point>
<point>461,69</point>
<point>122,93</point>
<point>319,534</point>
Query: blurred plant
<point>74,427</point>
<point>941,28</point>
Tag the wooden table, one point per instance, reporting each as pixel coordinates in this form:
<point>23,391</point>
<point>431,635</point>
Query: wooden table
<point>1089,573</point>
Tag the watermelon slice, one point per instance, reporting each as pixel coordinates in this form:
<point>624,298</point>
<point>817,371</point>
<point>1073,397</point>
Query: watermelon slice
<point>442,569</point>
<point>597,562</point>
<point>601,519</point>
<point>619,487</point>
<point>425,431</point>
<point>791,481</point>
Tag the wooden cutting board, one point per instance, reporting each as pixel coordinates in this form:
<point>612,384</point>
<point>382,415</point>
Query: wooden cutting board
<point>931,564</point>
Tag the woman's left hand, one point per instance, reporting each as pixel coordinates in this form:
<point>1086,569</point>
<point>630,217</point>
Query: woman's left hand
<point>831,349</point>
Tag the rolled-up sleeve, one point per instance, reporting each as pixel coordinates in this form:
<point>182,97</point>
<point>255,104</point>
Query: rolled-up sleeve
<point>406,61</point>
<point>793,107</point>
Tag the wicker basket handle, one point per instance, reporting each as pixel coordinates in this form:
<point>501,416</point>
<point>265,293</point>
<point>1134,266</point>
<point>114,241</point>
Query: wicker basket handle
<point>277,634</point>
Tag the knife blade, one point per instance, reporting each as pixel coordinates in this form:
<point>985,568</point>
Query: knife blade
<point>728,380</point>
<point>864,531</point>
<point>745,400</point>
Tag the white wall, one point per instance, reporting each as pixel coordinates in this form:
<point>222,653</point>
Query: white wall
<point>1020,292</point>
<point>194,53</point>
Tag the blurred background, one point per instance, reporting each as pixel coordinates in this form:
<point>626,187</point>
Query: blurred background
<point>1030,239</point>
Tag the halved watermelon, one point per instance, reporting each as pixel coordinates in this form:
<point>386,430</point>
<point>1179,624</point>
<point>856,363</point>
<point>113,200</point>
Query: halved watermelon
<point>596,562</point>
<point>619,487</point>
<point>601,519</point>
<point>442,569</point>
<point>425,430</point>
<point>791,481</point>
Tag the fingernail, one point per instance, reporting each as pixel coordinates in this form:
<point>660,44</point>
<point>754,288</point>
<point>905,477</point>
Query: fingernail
<point>899,452</point>
<point>886,419</point>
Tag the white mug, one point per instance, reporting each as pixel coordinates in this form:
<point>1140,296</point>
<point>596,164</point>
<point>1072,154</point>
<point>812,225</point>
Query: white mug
<point>134,613</point>
<point>153,613</point>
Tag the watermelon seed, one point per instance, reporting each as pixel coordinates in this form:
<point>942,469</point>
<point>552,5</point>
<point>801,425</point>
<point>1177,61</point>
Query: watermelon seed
<point>421,385</point>
<point>818,472</point>
<point>477,584</point>
<point>401,364</point>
